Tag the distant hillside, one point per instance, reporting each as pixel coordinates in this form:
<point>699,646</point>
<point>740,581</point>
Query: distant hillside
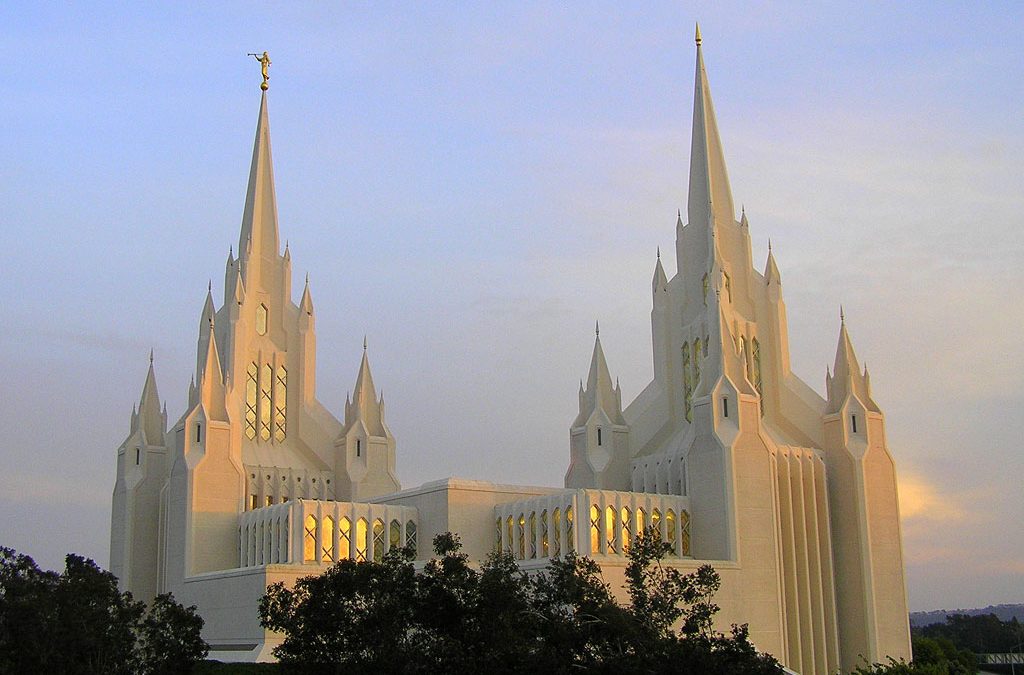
<point>1004,612</point>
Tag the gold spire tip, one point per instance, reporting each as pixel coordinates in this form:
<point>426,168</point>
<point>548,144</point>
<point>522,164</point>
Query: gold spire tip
<point>264,65</point>
<point>697,36</point>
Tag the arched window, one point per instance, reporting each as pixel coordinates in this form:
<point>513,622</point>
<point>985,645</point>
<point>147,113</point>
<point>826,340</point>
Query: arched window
<point>609,528</point>
<point>250,400</point>
<point>656,523</point>
<point>670,528</point>
<point>327,540</point>
<point>497,535</point>
<point>570,533</point>
<point>395,535</point>
<point>378,540</point>
<point>757,372</point>
<point>309,543</point>
<point>281,404</point>
<point>533,534</point>
<point>344,538</point>
<point>627,528</point>
<point>361,526</point>
<point>595,529</point>
<point>522,536</point>
<point>687,384</point>
<point>684,524</point>
<point>556,531</point>
<point>544,533</point>
<point>266,382</point>
<point>509,536</point>
<point>641,522</point>
<point>410,535</point>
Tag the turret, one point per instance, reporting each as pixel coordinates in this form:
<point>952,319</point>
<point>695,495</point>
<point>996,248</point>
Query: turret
<point>365,450</point>
<point>599,436</point>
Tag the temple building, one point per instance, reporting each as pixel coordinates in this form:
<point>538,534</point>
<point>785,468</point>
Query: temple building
<point>791,496</point>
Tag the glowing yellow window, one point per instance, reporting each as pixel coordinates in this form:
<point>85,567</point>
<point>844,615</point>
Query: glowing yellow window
<point>522,536</point>
<point>261,320</point>
<point>509,537</point>
<point>344,538</point>
<point>627,528</point>
<point>556,532</point>
<point>670,527</point>
<point>595,529</point>
<point>570,536</point>
<point>266,380</point>
<point>250,401</point>
<point>361,539</point>
<point>309,542</point>
<point>609,528</point>
<point>544,533</point>
<point>533,534</point>
<point>684,525</point>
<point>656,523</point>
<point>327,548</point>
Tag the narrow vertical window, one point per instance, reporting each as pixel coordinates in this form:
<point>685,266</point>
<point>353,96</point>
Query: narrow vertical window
<point>281,404</point>
<point>696,361</point>
<point>599,435</point>
<point>687,384</point>
<point>670,528</point>
<point>570,532</point>
<point>556,531</point>
<point>250,401</point>
<point>756,346</point>
<point>309,541</point>
<point>344,538</point>
<point>138,456</point>
<point>254,502</point>
<point>641,522</point>
<point>627,528</point>
<point>684,525</point>
<point>533,534</point>
<point>725,407</point>
<point>656,523</point>
<point>509,536</point>
<point>199,433</point>
<point>853,422</point>
<point>361,539</point>
<point>728,285</point>
<point>410,534</point>
<point>609,528</point>
<point>270,500</point>
<point>497,535</point>
<point>704,287</point>
<point>522,536</point>
<point>327,537</point>
<point>395,535</point>
<point>266,382</point>
<point>261,320</point>
<point>359,447</point>
<point>544,533</point>
<point>378,540</point>
<point>595,529</point>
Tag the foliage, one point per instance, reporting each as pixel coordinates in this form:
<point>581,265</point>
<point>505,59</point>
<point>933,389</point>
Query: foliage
<point>79,622</point>
<point>454,618</point>
<point>982,634</point>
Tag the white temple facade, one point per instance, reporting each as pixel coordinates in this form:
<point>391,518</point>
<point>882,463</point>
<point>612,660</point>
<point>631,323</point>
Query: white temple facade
<point>739,463</point>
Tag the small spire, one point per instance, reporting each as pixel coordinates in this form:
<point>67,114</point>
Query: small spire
<point>307,278</point>
<point>209,285</point>
<point>364,342</point>
<point>659,253</point>
<point>769,244</point>
<point>597,329</point>
<point>697,35</point>
<point>842,315</point>
<point>150,356</point>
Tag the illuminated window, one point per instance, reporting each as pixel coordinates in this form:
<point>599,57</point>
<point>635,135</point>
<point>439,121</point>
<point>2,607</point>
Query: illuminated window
<point>509,537</point>
<point>395,535</point>
<point>757,372</point>
<point>544,533</point>
<point>627,528</point>
<point>609,528</point>
<point>556,527</point>
<point>641,522</point>
<point>254,502</point>
<point>250,401</point>
<point>595,529</point>
<point>281,404</point>
<point>378,540</point>
<point>270,500</point>
<point>670,527</point>
<point>684,523</point>
<point>344,538</point>
<point>266,380</point>
<point>522,536</point>
<point>533,534</point>
<point>261,320</point>
<point>497,535</point>
<point>656,523</point>
<point>570,535</point>
<point>327,539</point>
<point>309,542</point>
<point>361,539</point>
<point>687,384</point>
<point>410,534</point>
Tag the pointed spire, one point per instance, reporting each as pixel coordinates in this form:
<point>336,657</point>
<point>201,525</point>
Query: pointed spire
<point>772,277</point>
<point>842,315</point>
<point>599,393</point>
<point>597,328</point>
<point>697,37</point>
<point>660,280</point>
<point>364,406</point>
<point>709,191</point>
<point>259,236</point>
<point>306,303</point>
<point>847,378</point>
<point>211,382</point>
<point>149,418</point>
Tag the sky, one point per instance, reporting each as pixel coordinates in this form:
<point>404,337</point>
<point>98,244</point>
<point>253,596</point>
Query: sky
<point>472,185</point>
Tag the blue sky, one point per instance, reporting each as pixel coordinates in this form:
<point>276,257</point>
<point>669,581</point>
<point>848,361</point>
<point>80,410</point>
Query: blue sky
<point>472,186</point>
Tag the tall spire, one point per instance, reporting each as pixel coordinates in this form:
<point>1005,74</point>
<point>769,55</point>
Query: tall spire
<point>259,236</point>
<point>365,406</point>
<point>150,418</point>
<point>600,393</point>
<point>847,377</point>
<point>709,181</point>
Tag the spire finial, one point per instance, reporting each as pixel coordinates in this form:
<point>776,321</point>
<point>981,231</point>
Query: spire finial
<point>696,37</point>
<point>659,253</point>
<point>150,356</point>
<point>264,65</point>
<point>597,329</point>
<point>307,278</point>
<point>842,315</point>
<point>769,244</point>
<point>364,342</point>
<point>209,285</point>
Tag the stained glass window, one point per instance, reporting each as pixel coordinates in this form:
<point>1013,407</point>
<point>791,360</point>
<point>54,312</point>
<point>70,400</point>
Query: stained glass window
<point>627,528</point>
<point>361,525</point>
<point>522,536</point>
<point>687,384</point>
<point>595,529</point>
<point>556,530</point>
<point>395,535</point>
<point>410,534</point>
<point>497,535</point>
<point>696,361</point>
<point>344,538</point>
<point>327,540</point>
<point>570,534</point>
<point>684,522</point>
<point>378,540</point>
<point>309,542</point>
<point>656,523</point>
<point>250,401</point>
<point>261,320</point>
<point>544,533</point>
<point>757,372</point>
<point>281,404</point>
<point>670,528</point>
<point>266,382</point>
<point>609,528</point>
<point>533,534</point>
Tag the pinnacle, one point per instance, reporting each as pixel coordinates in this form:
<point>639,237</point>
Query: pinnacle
<point>697,35</point>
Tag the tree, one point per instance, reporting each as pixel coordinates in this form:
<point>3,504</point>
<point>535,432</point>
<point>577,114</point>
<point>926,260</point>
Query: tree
<point>79,622</point>
<point>454,618</point>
